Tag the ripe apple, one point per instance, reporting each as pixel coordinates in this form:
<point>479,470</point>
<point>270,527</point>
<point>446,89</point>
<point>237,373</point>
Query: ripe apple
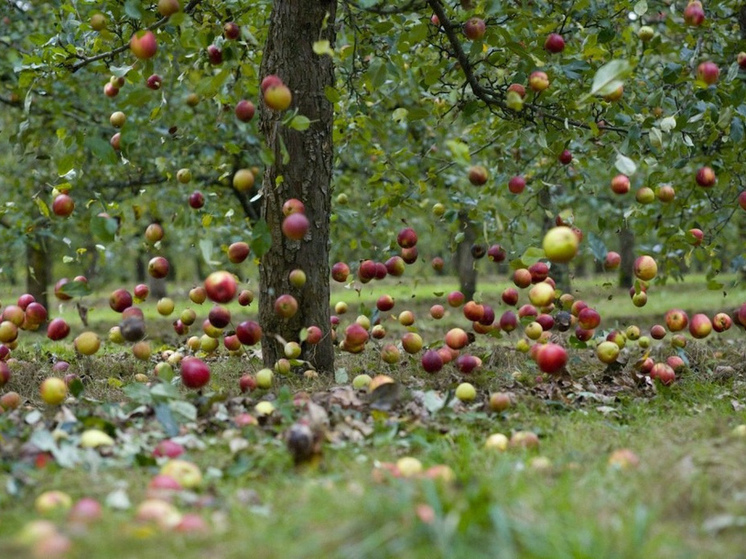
<point>645,268</point>
<point>409,255</point>
<point>411,342</point>
<point>245,110</point>
<point>243,180</point>
<point>390,354</point>
<point>554,43</point>
<point>110,90</point>
<point>560,244</point>
<point>473,311</point>
<point>607,352</point>
<point>231,30</point>
<point>154,233</point>
<point>407,238</point>
<point>741,60</point>
<point>456,338</point>
<point>313,335</point>
<point>249,332</point>
<point>158,267</point>
<point>589,318</point>
<point>665,193</point>
<point>238,252</point>
<point>455,299</point>
<point>700,326</point>
<point>551,358</point>
<point>120,299</point>
<point>116,141</point>
<point>220,287</point>
<point>214,54</point>
<point>385,303</point>
<point>168,8</point>
<point>286,306</point>
<point>694,14</point>
<point>510,296</point>
<point>245,298</point>
<point>620,184</point>
<point>437,311</point>
<point>610,98</point>
<point>431,361</point>
<point>517,184</point>
<point>264,379</point>
<point>664,373</point>
<point>437,264</point>
<point>478,175</point>
<point>708,72</point>
<point>538,81</point>
<point>194,373</point>
<point>645,195</point>
<point>57,329</point>
<point>721,322</point>
<point>154,82</point>
<point>706,177</point>
<point>196,200</point>
<point>565,157</point>
<point>295,226</point>
<point>340,272</point>
<point>187,474</point>
<point>53,391</point>
<point>278,97</point>
<point>508,321</point>
<point>522,277</point>
<point>541,294</point>
<point>143,44</point>
<point>117,119</point>
<point>499,401</point>
<point>475,28</point>
<point>496,253</point>
<point>270,81</point>
<point>87,343</point>
<point>219,316</point>
<point>698,236</point>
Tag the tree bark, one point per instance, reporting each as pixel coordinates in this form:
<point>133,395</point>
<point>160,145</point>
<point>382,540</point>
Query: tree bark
<point>295,25</point>
<point>37,269</point>
<point>463,260</point>
<point>627,252</point>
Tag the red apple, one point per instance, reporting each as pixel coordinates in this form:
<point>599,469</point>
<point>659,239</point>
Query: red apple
<point>706,177</point>
<point>220,287</point>
<point>510,296</point>
<point>664,373</point>
<point>395,266</point>
<point>270,81</point>
<point>63,205</point>
<point>158,267</point>
<point>554,43</point>
<point>518,88</point>
<point>249,332</point>
<point>475,28</point>
<point>665,193</point>
<point>741,60</point>
<point>517,184</point>
<point>295,226</point>
<point>431,361</point>
<point>245,110</point>
<point>700,326</point>
<point>437,311</point>
<point>196,200</point>
<point>456,338</point>
<point>168,8</point>
<point>565,157</point>
<point>238,252</point>
<point>120,299</point>
<point>143,44</point>
<point>551,358</point>
<point>219,316</point>
<point>620,184</point>
<point>407,238</point>
<point>522,277</point>
<point>508,321</point>
<point>612,260</point>
<point>286,306</point>
<point>194,372</point>
<point>340,272</point>
<point>708,72</point>
<point>496,253</point>
<point>385,303</point>
<point>231,30</point>
<point>154,82</point>
<point>694,14</point>
<point>645,268</point>
<point>57,329</point>
<point>657,332</point>
<point>455,298</point>
<point>313,335</point>
<point>409,255</point>
<point>721,322</point>
<point>214,55</point>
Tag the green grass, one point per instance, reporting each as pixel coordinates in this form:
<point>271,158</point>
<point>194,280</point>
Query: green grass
<point>686,498</point>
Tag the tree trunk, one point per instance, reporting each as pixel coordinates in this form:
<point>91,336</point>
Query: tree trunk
<point>627,252</point>
<point>37,270</point>
<point>295,25</point>
<point>463,260</point>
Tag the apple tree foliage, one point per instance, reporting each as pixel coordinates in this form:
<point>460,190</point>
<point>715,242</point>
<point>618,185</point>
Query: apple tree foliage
<point>416,101</point>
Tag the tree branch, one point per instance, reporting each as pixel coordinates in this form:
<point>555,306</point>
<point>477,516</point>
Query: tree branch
<point>412,6</point>
<point>160,23</point>
<point>490,96</point>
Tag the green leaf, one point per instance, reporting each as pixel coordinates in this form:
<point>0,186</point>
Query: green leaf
<point>119,71</point>
<point>132,9</point>
<point>341,376</point>
<point>714,285</point>
<point>101,149</point>
<point>206,248</point>
<point>610,76</point>
<point>76,289</point>
<point>532,255</point>
<point>138,393</point>
<point>43,208</point>
<point>166,418</point>
<point>332,95</point>
<point>300,123</point>
<point>598,248</point>
<point>76,387</point>
<point>261,238</point>
<point>641,8</point>
<point>323,47</point>
<point>183,411</point>
<point>104,228</point>
<point>625,165</point>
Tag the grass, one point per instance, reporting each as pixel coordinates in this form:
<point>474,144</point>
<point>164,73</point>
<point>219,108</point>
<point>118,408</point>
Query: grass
<point>685,499</point>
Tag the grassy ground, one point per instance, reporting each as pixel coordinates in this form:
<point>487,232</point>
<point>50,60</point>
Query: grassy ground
<point>687,497</point>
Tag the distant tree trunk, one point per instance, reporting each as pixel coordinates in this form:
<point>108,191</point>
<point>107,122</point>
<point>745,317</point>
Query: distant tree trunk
<point>581,266</point>
<point>37,269</point>
<point>140,268</point>
<point>627,252</point>
<point>463,260</point>
<point>295,25</point>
